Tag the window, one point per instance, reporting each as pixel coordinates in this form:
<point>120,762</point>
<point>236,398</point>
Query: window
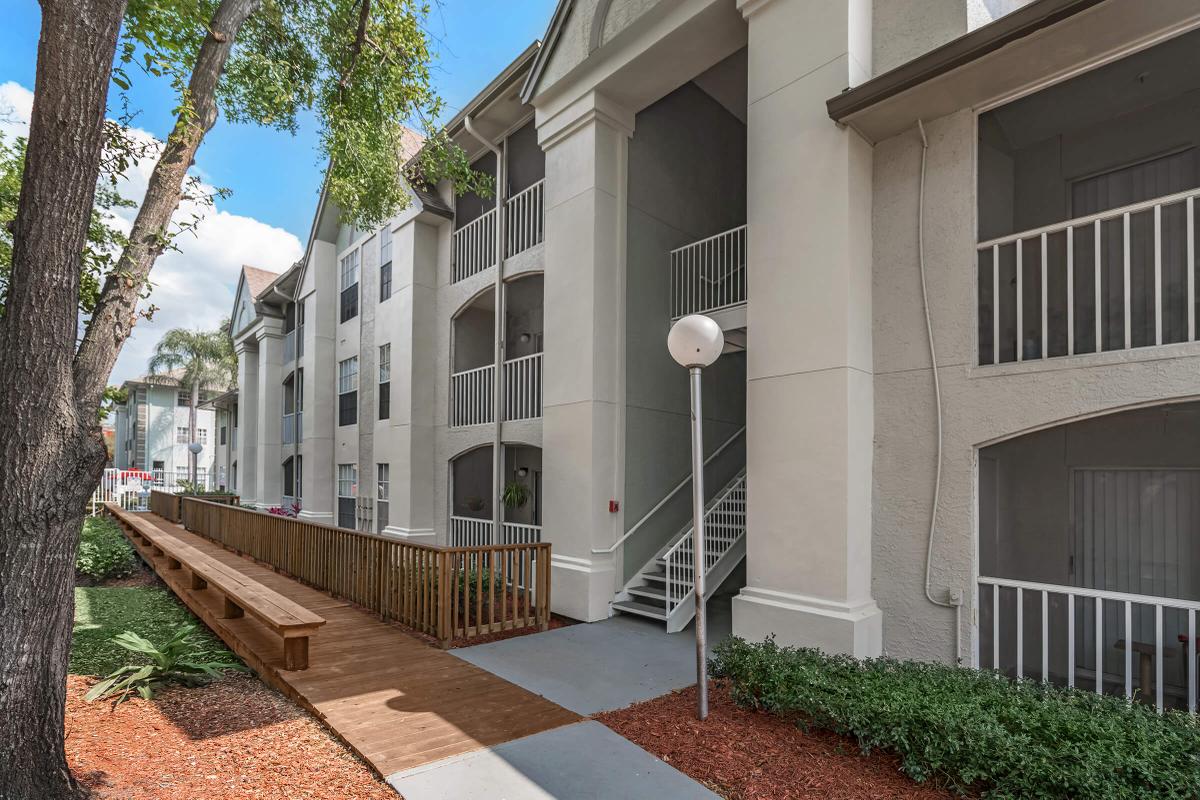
<point>157,466</point>
<point>181,473</point>
<point>383,474</point>
<point>202,435</point>
<point>289,478</point>
<point>349,286</point>
<point>183,398</point>
<point>223,434</point>
<point>181,435</point>
<point>385,264</point>
<point>348,391</point>
<point>385,381</point>
<point>347,488</point>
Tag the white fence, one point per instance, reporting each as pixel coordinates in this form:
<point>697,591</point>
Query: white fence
<point>724,525</point>
<point>524,217</point>
<point>475,532</point>
<point>1114,280</point>
<point>471,397</point>
<point>709,275</point>
<point>1089,638</point>
<point>523,387</point>
<point>474,247</point>
<point>130,488</point>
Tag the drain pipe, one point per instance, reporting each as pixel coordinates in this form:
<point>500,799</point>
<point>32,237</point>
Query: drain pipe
<point>497,333</point>
<point>955,598</point>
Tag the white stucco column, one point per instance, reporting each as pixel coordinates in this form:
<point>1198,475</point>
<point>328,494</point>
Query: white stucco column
<point>586,147</point>
<point>320,383</point>
<point>809,362</point>
<point>413,335</point>
<point>246,451</point>
<point>268,469</point>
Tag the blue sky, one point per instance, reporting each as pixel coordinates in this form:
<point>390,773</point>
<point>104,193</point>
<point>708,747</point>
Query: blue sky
<point>273,177</point>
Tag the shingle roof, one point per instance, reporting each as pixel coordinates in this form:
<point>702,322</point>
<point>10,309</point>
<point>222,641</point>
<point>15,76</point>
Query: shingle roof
<point>257,280</point>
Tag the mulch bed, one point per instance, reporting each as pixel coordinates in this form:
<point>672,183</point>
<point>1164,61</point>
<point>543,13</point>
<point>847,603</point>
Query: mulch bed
<point>235,738</point>
<point>750,755</point>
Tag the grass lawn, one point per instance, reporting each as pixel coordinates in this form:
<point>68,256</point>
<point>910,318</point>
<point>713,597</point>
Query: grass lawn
<point>101,613</point>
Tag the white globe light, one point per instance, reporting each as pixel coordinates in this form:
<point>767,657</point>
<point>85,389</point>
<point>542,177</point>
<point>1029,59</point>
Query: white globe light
<point>695,341</point>
<point>195,447</point>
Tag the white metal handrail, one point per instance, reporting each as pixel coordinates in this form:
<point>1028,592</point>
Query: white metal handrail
<point>1013,245</point>
<point>1125,601</point>
<point>523,387</point>
<point>520,533</point>
<point>474,247</point>
<point>709,275</point>
<point>471,397</point>
<point>470,532</point>
<point>724,525</point>
<point>678,487</point>
<point>524,216</point>
<point>130,487</point>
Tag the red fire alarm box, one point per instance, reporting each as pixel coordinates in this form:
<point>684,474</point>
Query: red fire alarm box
<point>614,506</point>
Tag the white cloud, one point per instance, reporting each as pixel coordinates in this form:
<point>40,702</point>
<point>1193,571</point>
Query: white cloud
<point>192,287</point>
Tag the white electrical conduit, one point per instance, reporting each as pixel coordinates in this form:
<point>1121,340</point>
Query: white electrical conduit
<point>953,602</point>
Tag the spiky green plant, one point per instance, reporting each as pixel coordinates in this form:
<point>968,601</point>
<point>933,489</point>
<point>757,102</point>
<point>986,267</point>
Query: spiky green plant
<point>171,663</point>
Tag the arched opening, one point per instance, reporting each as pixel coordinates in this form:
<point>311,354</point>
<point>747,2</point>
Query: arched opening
<point>521,494</point>
<point>472,362</point>
<point>523,330</point>
<point>1089,554</point>
<point>471,498</point>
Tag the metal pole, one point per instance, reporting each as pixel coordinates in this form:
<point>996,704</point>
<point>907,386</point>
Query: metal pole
<point>698,544</point>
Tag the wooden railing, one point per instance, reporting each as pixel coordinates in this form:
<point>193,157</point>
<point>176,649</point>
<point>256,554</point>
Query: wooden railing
<point>446,592</point>
<point>168,505</point>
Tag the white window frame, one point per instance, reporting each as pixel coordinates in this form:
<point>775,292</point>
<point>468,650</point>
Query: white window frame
<point>181,435</point>
<point>348,375</point>
<point>347,479</point>
<point>348,275</point>
<point>385,244</point>
<point>385,363</point>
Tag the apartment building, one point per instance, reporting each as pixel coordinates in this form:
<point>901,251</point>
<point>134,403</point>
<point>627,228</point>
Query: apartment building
<point>152,431</point>
<point>951,244</point>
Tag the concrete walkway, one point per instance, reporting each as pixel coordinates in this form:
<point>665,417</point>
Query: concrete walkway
<point>601,666</point>
<point>584,761</point>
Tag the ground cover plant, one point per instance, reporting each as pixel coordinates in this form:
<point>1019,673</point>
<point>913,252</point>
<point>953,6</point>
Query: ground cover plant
<point>150,612</point>
<point>973,731</point>
<point>104,552</point>
<point>177,660</point>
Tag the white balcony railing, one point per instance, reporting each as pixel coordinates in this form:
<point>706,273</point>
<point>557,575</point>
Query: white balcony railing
<point>1115,280</point>
<point>131,487</point>
<point>519,533</point>
<point>523,387</point>
<point>470,532</point>
<point>289,346</point>
<point>471,397</point>
<point>1062,633</point>
<point>709,275</point>
<point>474,247</point>
<point>524,217</point>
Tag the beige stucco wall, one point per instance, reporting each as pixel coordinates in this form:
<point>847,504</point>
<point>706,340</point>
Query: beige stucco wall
<point>980,404</point>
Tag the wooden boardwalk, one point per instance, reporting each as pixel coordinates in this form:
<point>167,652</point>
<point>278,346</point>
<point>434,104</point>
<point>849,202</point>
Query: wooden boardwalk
<point>396,701</point>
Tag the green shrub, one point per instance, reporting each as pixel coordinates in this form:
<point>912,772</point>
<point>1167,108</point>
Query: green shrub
<point>103,550</point>
<point>176,661</point>
<point>974,731</point>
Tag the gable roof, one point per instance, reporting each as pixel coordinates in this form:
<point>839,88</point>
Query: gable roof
<point>258,280</point>
<point>557,20</point>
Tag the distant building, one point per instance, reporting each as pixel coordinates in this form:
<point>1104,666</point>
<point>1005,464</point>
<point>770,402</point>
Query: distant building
<point>151,428</point>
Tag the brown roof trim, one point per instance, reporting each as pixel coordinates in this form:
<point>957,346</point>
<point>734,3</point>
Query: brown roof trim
<point>955,53</point>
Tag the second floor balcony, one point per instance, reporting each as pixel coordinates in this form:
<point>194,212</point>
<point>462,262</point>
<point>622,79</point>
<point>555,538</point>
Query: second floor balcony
<point>474,244</point>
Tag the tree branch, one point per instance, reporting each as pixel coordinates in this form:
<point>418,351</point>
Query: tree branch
<point>360,36</point>
<point>113,319</point>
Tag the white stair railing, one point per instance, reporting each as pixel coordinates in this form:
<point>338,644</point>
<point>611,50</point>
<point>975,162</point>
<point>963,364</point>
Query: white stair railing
<point>471,397</point>
<point>524,215</point>
<point>474,247</point>
<point>709,275</point>
<point>523,387</point>
<point>724,527</point>
<point>470,532</point>
<point>1089,628</point>
<point>1074,287</point>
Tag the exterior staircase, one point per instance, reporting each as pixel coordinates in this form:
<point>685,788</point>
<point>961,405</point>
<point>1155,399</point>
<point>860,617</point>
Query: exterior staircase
<point>663,590</point>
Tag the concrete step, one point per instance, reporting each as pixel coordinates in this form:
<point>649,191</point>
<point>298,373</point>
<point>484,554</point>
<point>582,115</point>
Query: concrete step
<point>641,609</point>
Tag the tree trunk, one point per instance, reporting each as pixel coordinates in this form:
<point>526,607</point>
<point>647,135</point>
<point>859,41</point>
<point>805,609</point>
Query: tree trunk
<point>116,310</point>
<point>51,450</point>
<point>193,458</point>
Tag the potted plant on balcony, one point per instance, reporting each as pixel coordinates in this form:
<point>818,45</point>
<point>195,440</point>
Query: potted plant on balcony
<point>515,494</point>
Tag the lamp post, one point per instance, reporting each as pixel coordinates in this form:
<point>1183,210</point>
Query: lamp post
<point>194,449</point>
<point>695,342</point>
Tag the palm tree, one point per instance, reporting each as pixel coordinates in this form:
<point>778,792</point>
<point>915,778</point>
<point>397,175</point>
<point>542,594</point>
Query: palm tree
<point>204,359</point>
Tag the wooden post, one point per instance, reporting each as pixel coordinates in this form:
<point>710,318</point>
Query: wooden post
<point>230,609</point>
<point>444,578</point>
<point>295,653</point>
<point>197,582</point>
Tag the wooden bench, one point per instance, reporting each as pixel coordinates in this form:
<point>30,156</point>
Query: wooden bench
<point>240,594</point>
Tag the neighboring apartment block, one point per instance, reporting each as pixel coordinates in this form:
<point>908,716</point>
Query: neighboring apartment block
<point>152,430</point>
<point>847,188</point>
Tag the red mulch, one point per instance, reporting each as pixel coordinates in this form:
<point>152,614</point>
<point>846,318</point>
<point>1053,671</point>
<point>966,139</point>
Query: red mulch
<point>751,755</point>
<point>232,739</point>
